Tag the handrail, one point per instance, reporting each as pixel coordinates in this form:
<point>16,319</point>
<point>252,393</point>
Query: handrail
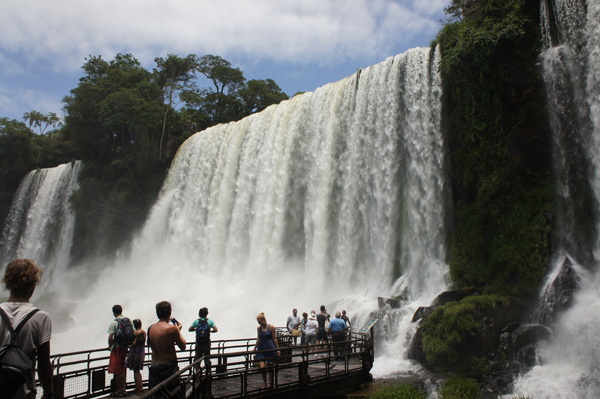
<point>84,374</point>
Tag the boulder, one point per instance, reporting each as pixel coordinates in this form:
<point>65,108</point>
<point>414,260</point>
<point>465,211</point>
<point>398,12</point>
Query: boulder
<point>558,296</point>
<point>395,302</point>
<point>453,296</point>
<point>422,313</point>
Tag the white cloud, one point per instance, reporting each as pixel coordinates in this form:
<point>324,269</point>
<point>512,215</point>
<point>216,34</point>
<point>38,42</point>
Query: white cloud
<point>62,32</point>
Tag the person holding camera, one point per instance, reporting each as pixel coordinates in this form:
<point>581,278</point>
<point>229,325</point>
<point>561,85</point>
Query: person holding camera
<point>162,338</point>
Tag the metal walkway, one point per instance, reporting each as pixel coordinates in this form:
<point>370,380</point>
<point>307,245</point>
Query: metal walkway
<point>234,372</point>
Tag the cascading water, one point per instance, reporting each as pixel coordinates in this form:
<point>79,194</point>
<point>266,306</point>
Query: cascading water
<point>39,224</point>
<point>570,363</point>
<point>327,198</point>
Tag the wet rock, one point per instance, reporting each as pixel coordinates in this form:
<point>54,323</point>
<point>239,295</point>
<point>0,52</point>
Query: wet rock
<point>422,313</point>
<point>529,335</point>
<point>558,296</point>
<point>453,296</point>
<point>395,302</point>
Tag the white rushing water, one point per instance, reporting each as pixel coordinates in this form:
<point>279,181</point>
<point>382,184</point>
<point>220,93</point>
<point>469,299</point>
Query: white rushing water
<point>570,363</point>
<point>325,199</point>
<point>39,225</point>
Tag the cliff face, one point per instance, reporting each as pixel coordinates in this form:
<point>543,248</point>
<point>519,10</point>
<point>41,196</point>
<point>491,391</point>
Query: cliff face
<point>500,148</point>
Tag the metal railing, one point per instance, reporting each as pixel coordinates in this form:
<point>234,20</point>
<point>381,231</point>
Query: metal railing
<point>234,371</point>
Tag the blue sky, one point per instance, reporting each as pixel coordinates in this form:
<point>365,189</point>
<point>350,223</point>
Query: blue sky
<point>302,45</point>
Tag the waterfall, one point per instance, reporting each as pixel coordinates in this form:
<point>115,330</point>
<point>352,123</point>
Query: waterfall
<point>569,364</point>
<point>39,225</point>
<point>331,198</point>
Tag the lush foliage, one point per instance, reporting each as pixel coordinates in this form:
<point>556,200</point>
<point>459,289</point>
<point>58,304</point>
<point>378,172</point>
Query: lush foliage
<point>499,145</point>
<point>21,151</point>
<point>448,331</point>
<point>125,123</point>
<point>459,388</point>
<point>398,391</point>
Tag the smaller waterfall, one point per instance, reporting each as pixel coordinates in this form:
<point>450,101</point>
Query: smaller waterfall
<point>569,363</point>
<point>39,225</point>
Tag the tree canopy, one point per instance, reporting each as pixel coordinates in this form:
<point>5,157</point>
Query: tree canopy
<point>126,123</point>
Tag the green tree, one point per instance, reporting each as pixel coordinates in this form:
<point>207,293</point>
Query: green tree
<point>227,81</point>
<point>17,157</point>
<point>173,75</point>
<point>259,94</point>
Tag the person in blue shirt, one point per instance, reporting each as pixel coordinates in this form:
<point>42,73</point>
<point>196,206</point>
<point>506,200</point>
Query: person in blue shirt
<point>206,326</point>
<point>337,331</point>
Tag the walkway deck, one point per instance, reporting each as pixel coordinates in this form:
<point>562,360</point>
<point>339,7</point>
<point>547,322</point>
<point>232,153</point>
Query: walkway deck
<point>234,372</point>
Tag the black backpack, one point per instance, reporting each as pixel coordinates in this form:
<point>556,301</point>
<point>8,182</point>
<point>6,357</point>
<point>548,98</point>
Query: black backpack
<point>125,334</point>
<point>16,368</point>
<point>203,331</point>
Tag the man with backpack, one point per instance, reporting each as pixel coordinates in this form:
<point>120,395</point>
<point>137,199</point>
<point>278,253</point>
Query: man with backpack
<point>120,336</point>
<point>203,327</point>
<point>31,330</point>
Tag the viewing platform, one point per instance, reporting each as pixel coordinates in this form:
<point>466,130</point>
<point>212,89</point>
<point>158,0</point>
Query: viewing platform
<point>234,372</point>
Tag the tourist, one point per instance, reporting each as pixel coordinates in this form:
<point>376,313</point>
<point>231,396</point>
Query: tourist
<point>311,332</point>
<point>293,325</point>
<point>20,278</point>
<point>322,319</point>
<point>162,338</point>
<point>266,340</point>
<point>346,320</point>
<point>203,327</point>
<point>137,352</point>
<point>118,353</point>
<point>303,327</point>
<point>337,330</point>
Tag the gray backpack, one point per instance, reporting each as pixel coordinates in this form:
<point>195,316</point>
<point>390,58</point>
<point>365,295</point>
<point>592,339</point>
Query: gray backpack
<point>16,368</point>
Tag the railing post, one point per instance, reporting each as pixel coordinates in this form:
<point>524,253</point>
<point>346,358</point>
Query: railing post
<point>58,385</point>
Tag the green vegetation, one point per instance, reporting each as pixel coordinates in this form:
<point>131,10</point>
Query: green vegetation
<point>499,143</point>
<point>125,123</point>
<point>449,330</point>
<point>459,388</point>
<point>398,391</point>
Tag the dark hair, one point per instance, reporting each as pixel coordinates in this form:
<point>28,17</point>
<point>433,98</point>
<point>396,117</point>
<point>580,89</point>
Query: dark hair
<point>137,323</point>
<point>117,310</point>
<point>203,313</point>
<point>322,308</point>
<point>163,310</point>
<point>21,276</point>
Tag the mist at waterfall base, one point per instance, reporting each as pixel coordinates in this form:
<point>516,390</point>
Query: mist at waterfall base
<point>325,199</point>
<point>569,365</point>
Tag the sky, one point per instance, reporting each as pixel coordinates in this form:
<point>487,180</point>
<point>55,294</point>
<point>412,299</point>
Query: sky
<point>300,44</point>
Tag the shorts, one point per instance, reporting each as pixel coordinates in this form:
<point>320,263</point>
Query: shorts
<point>116,363</point>
<point>310,339</point>
<point>322,335</point>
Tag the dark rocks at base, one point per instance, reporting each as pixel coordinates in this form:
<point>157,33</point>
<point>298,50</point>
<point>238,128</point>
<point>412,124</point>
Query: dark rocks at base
<point>558,296</point>
<point>504,342</point>
<point>422,313</point>
<point>395,302</point>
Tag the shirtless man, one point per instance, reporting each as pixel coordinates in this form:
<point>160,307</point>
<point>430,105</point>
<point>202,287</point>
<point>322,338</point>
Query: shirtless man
<point>162,338</point>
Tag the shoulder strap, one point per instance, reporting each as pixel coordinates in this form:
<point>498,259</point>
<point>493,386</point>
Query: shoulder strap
<point>15,332</point>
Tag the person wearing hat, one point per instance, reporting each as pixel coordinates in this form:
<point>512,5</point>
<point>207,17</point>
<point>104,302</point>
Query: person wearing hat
<point>310,331</point>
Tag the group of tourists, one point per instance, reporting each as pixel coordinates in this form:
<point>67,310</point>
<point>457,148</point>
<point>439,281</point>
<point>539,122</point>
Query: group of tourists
<point>27,329</point>
<point>127,340</point>
<point>319,328</point>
